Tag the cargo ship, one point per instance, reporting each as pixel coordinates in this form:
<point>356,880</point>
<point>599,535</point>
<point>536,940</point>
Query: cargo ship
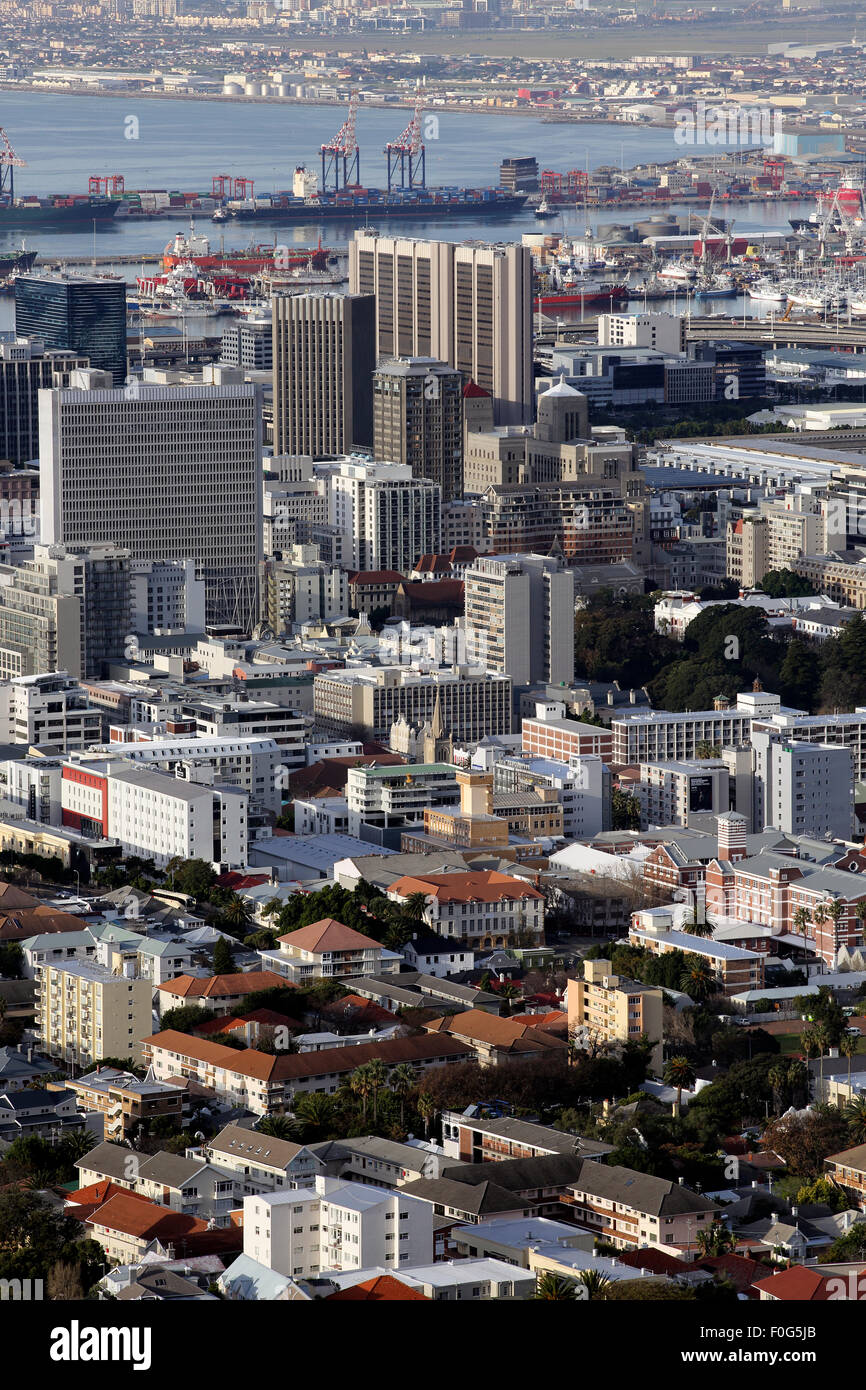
<point>584,297</point>
<point>56,211</point>
<point>355,202</point>
<point>195,250</point>
<point>17,262</point>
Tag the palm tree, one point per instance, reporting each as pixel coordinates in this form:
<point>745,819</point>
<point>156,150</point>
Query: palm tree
<point>359,1084</point>
<point>77,1143</point>
<point>860,912</point>
<point>848,1045</point>
<point>414,907</point>
<point>377,1073</point>
<point>509,992</point>
<point>855,1118</point>
<point>595,1283</point>
<point>819,914</point>
<point>401,1081</point>
<point>801,922</point>
<point>808,1044</point>
<point>698,979</point>
<point>277,1127</point>
<point>427,1109</point>
<point>314,1115</point>
<point>798,1080</point>
<point>555,1288</point>
<point>822,1041</point>
<point>237,913</point>
<point>777,1076</point>
<point>835,912</point>
<point>696,928</point>
<point>715,1240</point>
<point>679,1072</point>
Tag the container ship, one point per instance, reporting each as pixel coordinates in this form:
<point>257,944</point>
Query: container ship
<point>17,262</point>
<point>354,202</point>
<point>59,210</point>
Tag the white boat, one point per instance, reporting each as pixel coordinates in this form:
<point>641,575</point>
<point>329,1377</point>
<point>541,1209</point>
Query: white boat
<point>768,293</point>
<point>716,287</point>
<point>220,215</point>
<point>545,210</point>
<point>857,306</point>
<point>680,272</point>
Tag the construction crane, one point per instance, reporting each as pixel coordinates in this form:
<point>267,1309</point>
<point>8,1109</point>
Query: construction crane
<point>9,162</point>
<point>406,156</point>
<point>727,234</point>
<point>341,157</point>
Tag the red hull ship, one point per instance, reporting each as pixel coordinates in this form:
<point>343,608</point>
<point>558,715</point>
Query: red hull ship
<point>195,250</point>
<point>575,298</point>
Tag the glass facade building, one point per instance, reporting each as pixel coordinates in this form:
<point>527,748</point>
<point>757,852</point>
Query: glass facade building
<point>82,314</point>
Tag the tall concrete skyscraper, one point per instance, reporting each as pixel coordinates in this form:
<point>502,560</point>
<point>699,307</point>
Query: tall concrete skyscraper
<point>323,353</point>
<point>468,305</point>
<point>168,472</point>
<point>388,518</point>
<point>418,419</point>
<point>85,314</point>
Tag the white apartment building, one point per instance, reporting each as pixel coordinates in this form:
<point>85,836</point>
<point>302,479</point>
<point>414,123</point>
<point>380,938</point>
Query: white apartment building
<point>802,788</point>
<point>161,817</point>
<point>84,1011</point>
<point>238,717</point>
<point>253,764</point>
<point>336,1225</point>
<point>169,472</point>
<point>167,596</point>
<point>849,730</point>
<point>388,517</point>
<point>519,617</point>
<point>663,332</point>
<point>656,736</point>
<point>48,708</point>
<point>34,785</point>
<point>388,796</point>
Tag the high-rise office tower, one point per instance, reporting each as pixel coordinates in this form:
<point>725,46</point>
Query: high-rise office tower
<point>520,617</point>
<point>25,368</point>
<point>323,357</point>
<point>468,305</point>
<point>388,518</point>
<point>418,419</point>
<point>85,314</point>
<point>169,472</point>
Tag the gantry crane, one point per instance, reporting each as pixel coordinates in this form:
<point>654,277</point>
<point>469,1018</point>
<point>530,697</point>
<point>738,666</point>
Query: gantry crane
<point>406,157</point>
<point>9,162</point>
<point>341,157</point>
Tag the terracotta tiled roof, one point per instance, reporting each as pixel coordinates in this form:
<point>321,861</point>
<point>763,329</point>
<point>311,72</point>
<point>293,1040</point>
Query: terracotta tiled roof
<point>132,1215</point>
<point>263,1066</point>
<point>376,577</point>
<point>329,935</point>
<point>503,1033</point>
<point>656,1261</point>
<point>221,986</point>
<point>384,1289</point>
<point>86,1200</point>
<point>741,1271</point>
<point>795,1285</point>
<point>484,886</point>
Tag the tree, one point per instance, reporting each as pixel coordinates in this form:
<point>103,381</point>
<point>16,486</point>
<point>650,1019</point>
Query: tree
<point>855,1119</point>
<point>805,1140</point>
<point>785,583</point>
<point>315,1115</point>
<point>509,992</point>
<point>595,1283</point>
<point>555,1288</point>
<point>237,914</point>
<point>848,1046</point>
<point>63,1284</point>
<point>716,1239</point>
<point>377,1075</point>
<point>625,811</point>
<point>361,1085</point>
<point>402,1082</point>
<point>196,877</point>
<point>185,1018</point>
<point>801,922</point>
<point>698,979</point>
<point>277,1127</point>
<point>427,1109</point>
<point>822,1192</point>
<point>223,957</point>
<point>680,1073</point>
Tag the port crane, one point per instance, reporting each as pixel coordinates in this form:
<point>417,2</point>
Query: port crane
<point>406,156</point>
<point>341,157</point>
<point>9,162</point>
<point>709,226</point>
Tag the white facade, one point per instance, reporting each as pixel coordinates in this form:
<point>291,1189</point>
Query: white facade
<point>389,518</point>
<point>520,617</point>
<point>161,817</point>
<point>337,1226</point>
<point>48,708</point>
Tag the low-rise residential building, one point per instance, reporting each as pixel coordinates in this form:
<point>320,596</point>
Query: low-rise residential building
<point>336,1225</point>
<point>848,1170</point>
<point>628,1209</point>
<point>735,969</point>
<point>472,1138</point>
<point>328,950</point>
<point>496,1040</point>
<point>219,993</point>
<point>125,1102</point>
